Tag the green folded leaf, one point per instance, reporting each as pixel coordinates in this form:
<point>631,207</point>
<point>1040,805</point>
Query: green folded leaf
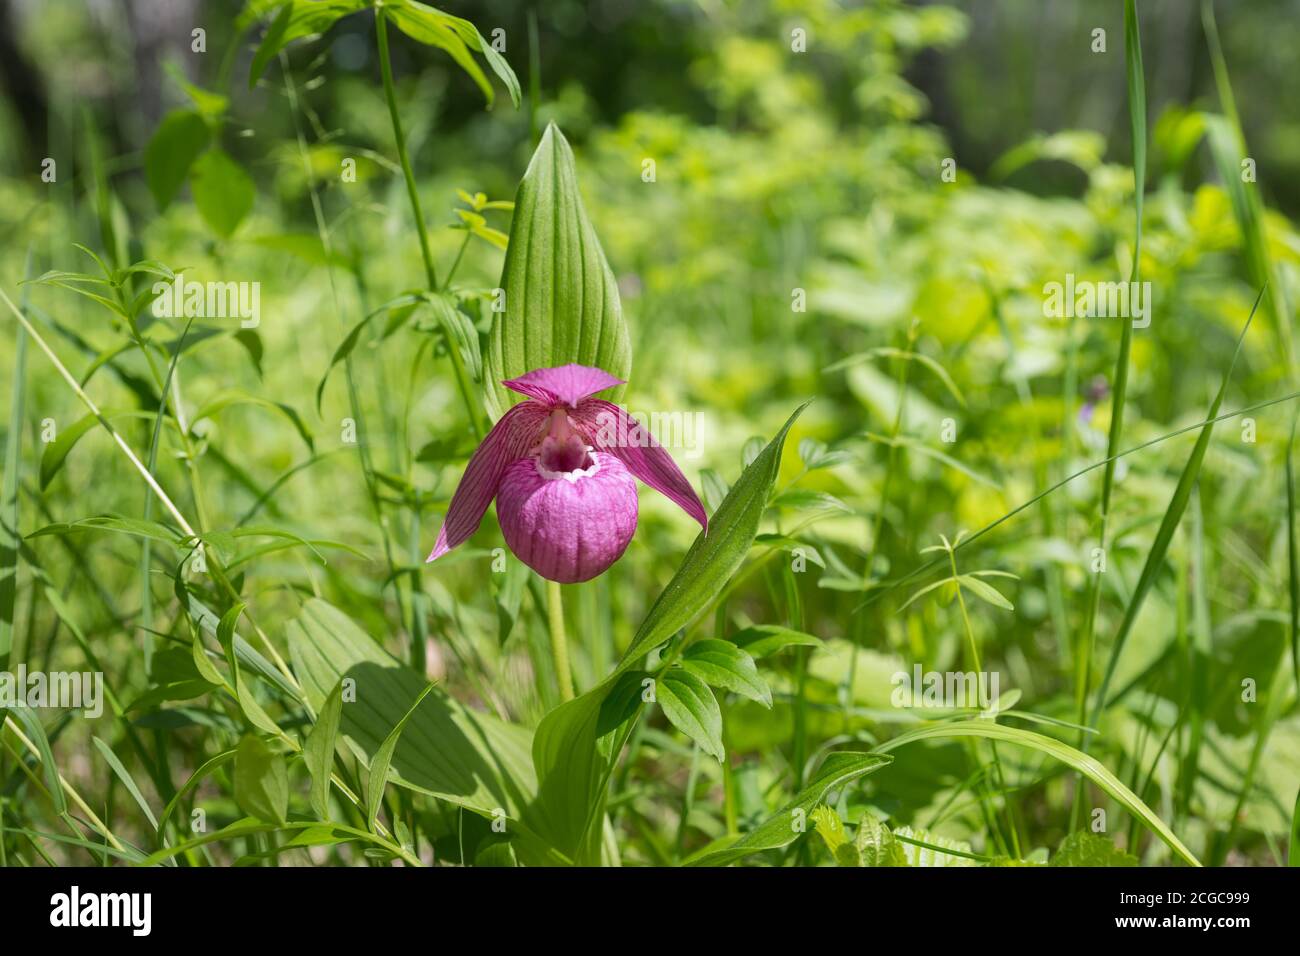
<point>28,719</point>
<point>561,299</point>
<point>111,758</point>
<point>985,591</point>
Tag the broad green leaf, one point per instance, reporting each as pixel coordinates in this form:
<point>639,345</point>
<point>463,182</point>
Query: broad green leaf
<point>458,38</point>
<point>318,750</point>
<point>1081,848</point>
<point>570,767</point>
<point>261,781</point>
<point>449,751</point>
<point>839,769</point>
<point>691,707</point>
<point>222,191</point>
<point>767,639</point>
<point>715,556</point>
<point>1084,764</point>
<point>298,18</point>
<point>561,298</point>
<point>722,664</point>
<point>179,140</point>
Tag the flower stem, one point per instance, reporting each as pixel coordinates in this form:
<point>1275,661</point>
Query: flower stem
<point>559,643</point>
<point>430,273</point>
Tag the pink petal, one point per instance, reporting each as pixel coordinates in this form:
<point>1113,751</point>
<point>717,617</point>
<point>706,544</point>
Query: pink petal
<point>566,385</point>
<point>611,429</point>
<point>568,528</point>
<point>510,439</point>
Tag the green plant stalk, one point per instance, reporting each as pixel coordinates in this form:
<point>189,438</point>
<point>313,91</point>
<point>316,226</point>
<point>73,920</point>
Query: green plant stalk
<point>1137,123</point>
<point>559,642</point>
<point>354,400</point>
<point>1014,847</point>
<point>431,274</point>
<point>878,523</point>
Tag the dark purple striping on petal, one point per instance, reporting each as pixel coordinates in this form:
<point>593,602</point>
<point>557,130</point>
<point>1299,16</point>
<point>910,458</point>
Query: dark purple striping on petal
<point>509,440</point>
<point>611,429</point>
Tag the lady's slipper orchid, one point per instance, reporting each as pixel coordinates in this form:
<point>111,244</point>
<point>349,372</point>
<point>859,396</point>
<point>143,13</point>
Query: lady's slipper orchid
<point>562,467</point>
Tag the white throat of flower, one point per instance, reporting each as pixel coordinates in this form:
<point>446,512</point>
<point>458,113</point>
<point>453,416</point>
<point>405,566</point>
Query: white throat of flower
<point>571,476</point>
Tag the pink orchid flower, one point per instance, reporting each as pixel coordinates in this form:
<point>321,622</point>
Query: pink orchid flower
<point>562,467</point>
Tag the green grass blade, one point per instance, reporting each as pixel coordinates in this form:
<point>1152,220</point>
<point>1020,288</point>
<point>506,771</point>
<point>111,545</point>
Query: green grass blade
<point>1090,767</point>
<point>1168,525</point>
<point>107,752</point>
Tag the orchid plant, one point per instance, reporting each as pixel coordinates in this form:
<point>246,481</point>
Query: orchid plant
<point>562,466</point>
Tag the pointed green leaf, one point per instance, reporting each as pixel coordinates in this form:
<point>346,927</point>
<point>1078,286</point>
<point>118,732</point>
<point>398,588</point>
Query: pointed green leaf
<point>379,764</point>
<point>691,707</point>
<point>715,555</point>
<point>722,664</point>
<point>261,781</point>
<point>766,639</point>
<point>318,751</point>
